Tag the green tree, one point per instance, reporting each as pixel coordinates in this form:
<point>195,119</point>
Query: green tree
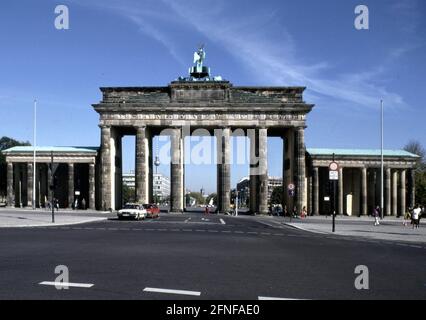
<point>198,197</point>
<point>416,147</point>
<point>6,143</point>
<point>277,195</point>
<point>128,194</point>
<point>212,196</point>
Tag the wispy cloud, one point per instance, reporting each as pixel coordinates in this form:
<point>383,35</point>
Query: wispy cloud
<point>274,61</point>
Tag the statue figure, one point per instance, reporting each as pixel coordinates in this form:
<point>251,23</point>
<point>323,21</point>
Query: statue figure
<point>199,57</point>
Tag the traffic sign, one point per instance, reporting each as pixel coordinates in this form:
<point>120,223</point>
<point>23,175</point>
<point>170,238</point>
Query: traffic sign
<point>333,175</point>
<point>333,166</point>
<point>291,186</point>
<point>291,193</point>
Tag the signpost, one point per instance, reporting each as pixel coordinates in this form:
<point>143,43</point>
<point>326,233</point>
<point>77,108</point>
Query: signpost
<point>52,187</point>
<point>291,192</point>
<point>334,177</point>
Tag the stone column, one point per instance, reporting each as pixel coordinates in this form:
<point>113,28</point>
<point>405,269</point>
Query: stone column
<point>301,170</point>
<point>254,170</point>
<point>310,196</point>
<point>340,192</point>
<point>364,207</point>
<point>176,171</point>
<point>394,192</point>
<point>142,170</point>
<point>288,168</point>
<point>106,178</point>
<point>10,190</point>
<point>49,184</point>
<point>412,201</point>
<point>92,190</point>
<point>30,180</point>
<point>70,184</point>
<point>316,190</point>
<point>403,204</point>
<point>388,179</point>
<point>224,170</point>
<point>263,171</point>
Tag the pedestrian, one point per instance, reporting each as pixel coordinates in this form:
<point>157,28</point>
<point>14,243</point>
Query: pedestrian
<point>304,213</point>
<point>285,211</point>
<point>376,214</point>
<point>207,211</point>
<point>294,212</point>
<point>416,216</point>
<point>56,201</point>
<point>83,204</point>
<point>407,216</point>
<point>76,204</point>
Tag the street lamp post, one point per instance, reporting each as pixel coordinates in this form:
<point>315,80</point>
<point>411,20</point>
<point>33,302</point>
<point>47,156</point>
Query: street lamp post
<point>381,161</point>
<point>156,163</point>
<point>34,156</point>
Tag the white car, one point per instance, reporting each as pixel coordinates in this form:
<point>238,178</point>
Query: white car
<point>131,210</point>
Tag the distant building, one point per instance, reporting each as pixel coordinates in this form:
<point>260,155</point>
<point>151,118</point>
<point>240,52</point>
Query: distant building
<point>129,179</point>
<point>161,184</point>
<point>243,188</point>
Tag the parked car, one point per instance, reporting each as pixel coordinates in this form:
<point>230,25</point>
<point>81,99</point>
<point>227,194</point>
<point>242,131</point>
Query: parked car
<point>152,210</point>
<point>132,210</point>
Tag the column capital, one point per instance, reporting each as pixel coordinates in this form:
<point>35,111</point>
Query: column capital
<point>104,126</point>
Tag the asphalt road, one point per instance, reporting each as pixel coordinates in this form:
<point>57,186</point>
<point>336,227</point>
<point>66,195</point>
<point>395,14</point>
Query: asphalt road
<point>206,257</point>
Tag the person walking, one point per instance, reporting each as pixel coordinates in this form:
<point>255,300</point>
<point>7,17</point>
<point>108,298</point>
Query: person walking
<point>416,216</point>
<point>376,214</point>
<point>407,216</point>
<point>304,213</point>
<point>76,204</point>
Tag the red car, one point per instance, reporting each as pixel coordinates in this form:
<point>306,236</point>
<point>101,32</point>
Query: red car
<point>152,210</point>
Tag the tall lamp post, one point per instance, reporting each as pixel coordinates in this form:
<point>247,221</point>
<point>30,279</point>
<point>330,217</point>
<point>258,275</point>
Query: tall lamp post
<point>34,156</point>
<point>381,160</point>
<point>157,164</point>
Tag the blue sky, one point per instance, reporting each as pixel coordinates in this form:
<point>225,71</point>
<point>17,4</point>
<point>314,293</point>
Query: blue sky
<point>132,43</point>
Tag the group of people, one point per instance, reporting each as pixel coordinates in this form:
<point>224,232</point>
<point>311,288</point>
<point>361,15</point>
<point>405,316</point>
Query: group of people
<point>279,211</point>
<point>413,214</point>
<point>55,204</point>
<point>75,205</point>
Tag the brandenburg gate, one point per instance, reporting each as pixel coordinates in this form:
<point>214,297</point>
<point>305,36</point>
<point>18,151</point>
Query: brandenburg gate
<point>202,102</point>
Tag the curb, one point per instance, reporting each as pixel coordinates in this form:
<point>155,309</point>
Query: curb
<point>52,224</point>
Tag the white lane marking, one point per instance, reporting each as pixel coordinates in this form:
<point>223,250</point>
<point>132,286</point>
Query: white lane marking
<point>172,291</point>
<point>67,284</point>
<point>273,298</point>
<point>222,221</point>
<point>187,220</point>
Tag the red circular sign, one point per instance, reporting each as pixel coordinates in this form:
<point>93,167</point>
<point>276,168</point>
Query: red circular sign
<point>333,166</point>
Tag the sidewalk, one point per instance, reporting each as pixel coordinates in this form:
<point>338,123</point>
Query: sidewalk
<point>18,218</point>
<point>390,228</point>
